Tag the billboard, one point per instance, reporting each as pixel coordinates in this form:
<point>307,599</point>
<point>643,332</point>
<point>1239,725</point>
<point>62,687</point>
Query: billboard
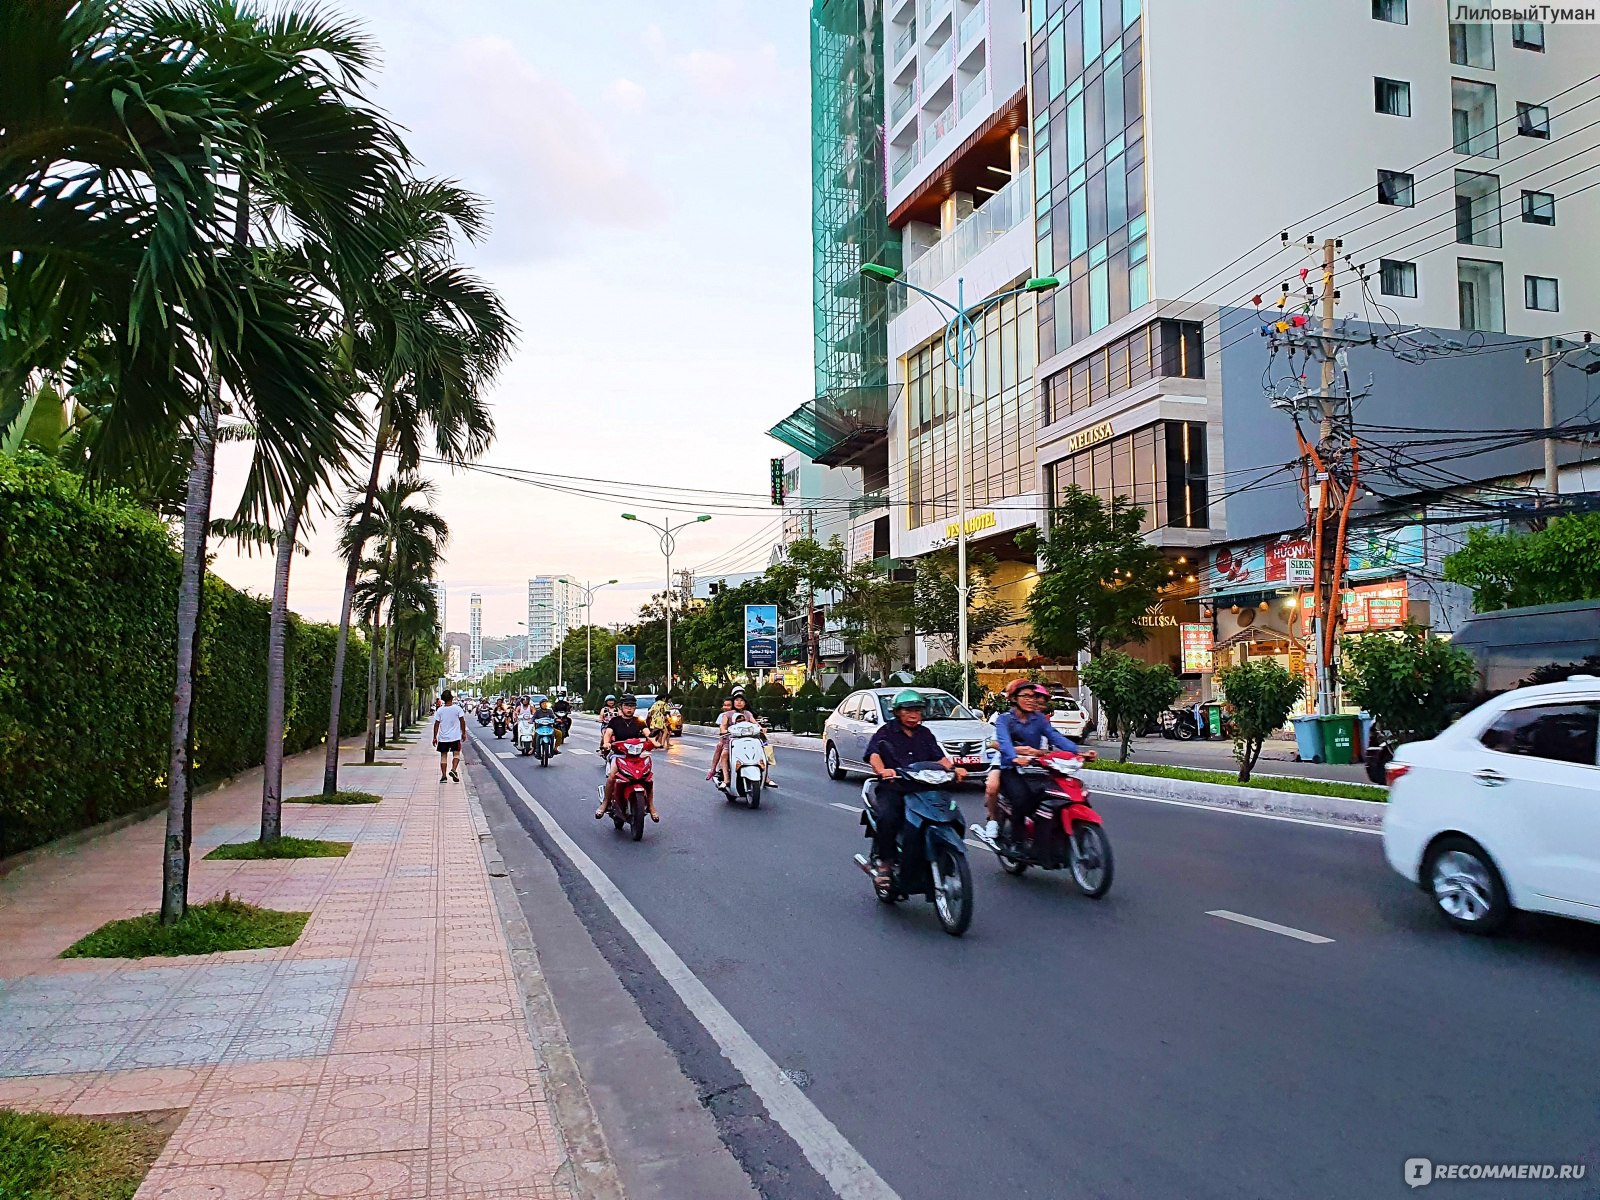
<point>627,664</point>
<point>760,636</point>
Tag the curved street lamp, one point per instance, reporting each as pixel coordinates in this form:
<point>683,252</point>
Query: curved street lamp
<point>960,346</point>
<point>669,541</point>
<point>588,590</point>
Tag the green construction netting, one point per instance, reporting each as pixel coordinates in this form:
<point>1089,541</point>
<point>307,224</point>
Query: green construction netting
<point>849,226</point>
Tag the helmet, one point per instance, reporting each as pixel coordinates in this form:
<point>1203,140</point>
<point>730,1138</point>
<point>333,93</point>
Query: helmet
<point>611,699</point>
<point>908,698</point>
<point>627,699</point>
<point>1017,687</point>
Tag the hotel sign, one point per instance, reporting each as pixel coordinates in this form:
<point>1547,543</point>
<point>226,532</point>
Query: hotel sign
<point>1085,438</point>
<point>974,524</point>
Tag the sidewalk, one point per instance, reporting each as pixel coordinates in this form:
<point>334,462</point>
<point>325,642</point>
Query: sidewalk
<point>387,1053</point>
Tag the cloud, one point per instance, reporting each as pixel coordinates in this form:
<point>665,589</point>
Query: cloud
<point>627,95</point>
<point>519,137</point>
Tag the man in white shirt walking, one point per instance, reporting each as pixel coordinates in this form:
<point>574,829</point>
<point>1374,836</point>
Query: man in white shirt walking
<point>449,735</point>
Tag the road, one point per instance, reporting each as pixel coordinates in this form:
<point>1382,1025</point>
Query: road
<point>1138,1046</point>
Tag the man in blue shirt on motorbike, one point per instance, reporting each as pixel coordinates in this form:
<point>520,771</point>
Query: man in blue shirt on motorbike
<point>903,741</point>
<point>1021,732</point>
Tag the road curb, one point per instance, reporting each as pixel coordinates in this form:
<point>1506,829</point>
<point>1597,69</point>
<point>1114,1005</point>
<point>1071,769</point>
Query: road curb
<point>1358,814</point>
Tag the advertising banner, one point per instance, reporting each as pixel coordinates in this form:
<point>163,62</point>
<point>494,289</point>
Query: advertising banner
<point>760,636</point>
<point>627,663</point>
<point>1195,643</point>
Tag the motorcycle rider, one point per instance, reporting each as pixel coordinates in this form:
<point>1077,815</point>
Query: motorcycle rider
<point>903,741</point>
<point>738,710</point>
<point>546,710</point>
<point>659,718</point>
<point>622,727</point>
<point>1020,732</point>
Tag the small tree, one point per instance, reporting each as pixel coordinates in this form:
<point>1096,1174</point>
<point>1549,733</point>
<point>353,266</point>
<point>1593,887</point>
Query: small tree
<point>876,612</point>
<point>1408,682</point>
<point>1549,566</point>
<point>946,674</point>
<point>1261,694</point>
<point>1133,693</point>
<point>937,606</point>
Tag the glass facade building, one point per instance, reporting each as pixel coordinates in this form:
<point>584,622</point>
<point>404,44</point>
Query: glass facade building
<point>1161,468</point>
<point>1088,154</point>
<point>1002,421</point>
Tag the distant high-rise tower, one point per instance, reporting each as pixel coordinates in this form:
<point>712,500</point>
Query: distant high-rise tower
<point>438,604</point>
<point>475,632</point>
<point>550,605</point>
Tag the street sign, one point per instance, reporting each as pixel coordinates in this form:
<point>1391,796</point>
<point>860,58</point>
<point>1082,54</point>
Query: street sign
<point>760,636</point>
<point>1299,570</point>
<point>627,663</point>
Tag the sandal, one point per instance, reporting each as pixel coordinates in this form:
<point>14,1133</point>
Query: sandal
<point>883,875</point>
<point>653,816</point>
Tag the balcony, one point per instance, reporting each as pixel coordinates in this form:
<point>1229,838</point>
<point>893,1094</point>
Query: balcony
<point>937,65</point>
<point>973,27</point>
<point>904,43</point>
<point>975,92</point>
<point>903,162</point>
<point>903,103</point>
<point>837,427</point>
<point>998,216</point>
<point>937,128</point>
<point>931,12</point>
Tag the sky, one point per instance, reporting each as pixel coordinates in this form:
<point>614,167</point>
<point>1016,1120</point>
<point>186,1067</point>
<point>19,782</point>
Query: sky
<point>647,166</point>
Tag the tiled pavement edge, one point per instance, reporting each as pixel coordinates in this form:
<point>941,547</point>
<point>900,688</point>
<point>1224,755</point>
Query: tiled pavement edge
<point>386,1054</point>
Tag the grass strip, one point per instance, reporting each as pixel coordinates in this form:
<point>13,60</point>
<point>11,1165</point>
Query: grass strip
<point>284,847</point>
<point>47,1157</point>
<point>339,797</point>
<point>225,924</point>
<point>1274,783</point>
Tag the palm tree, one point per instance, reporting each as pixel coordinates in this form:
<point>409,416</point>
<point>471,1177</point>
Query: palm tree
<point>143,148</point>
<point>429,339</point>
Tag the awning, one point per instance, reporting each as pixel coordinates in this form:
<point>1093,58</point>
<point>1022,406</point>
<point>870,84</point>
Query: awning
<point>1253,635</point>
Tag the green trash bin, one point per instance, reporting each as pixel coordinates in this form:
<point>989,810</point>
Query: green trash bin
<point>1339,739</point>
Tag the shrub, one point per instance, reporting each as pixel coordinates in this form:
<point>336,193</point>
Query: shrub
<point>1132,692</point>
<point>1261,694</point>
<point>1411,683</point>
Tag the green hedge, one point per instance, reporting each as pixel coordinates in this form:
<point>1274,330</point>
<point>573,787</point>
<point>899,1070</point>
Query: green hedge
<point>88,602</point>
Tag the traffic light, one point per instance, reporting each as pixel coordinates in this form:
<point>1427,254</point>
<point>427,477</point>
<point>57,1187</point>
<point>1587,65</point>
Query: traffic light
<point>777,483</point>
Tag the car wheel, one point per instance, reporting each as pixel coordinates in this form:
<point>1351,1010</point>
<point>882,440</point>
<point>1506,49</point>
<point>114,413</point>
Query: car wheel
<point>830,759</point>
<point>1465,886</point>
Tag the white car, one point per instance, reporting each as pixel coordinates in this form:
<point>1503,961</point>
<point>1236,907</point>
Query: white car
<point>1068,716</point>
<point>1502,810</point>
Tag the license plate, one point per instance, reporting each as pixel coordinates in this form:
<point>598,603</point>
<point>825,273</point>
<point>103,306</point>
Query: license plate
<point>968,760</point>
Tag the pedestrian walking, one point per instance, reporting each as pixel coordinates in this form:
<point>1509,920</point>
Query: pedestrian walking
<point>449,735</point>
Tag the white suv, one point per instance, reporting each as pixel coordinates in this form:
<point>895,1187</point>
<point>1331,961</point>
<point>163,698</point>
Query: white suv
<point>1502,810</point>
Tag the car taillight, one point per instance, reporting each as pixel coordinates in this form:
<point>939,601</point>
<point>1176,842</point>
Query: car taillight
<point>1393,771</point>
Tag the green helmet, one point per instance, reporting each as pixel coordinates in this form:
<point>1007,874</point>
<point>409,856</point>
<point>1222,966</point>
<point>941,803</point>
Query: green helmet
<point>908,698</point>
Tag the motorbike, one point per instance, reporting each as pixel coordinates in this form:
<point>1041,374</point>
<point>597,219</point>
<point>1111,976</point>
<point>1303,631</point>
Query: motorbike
<point>1063,830</point>
<point>525,735</point>
<point>483,715</point>
<point>633,786</point>
<point>544,738</point>
<point>931,854</point>
<point>499,725</point>
<point>1181,724</point>
<point>747,763</point>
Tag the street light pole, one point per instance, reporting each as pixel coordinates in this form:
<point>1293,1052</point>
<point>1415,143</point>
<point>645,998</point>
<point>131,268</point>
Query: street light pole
<point>960,346</point>
<point>589,589</point>
<point>669,540</point>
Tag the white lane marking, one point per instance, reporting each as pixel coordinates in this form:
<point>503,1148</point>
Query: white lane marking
<point>1271,927</point>
<point>505,753</point>
<point>849,808</point>
<point>836,1160</point>
<point>1242,812</point>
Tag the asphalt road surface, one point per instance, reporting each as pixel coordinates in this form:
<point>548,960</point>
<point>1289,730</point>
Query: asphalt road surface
<point>1306,1044</point>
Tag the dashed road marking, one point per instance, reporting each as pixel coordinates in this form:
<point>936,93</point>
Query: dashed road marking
<point>1315,939</point>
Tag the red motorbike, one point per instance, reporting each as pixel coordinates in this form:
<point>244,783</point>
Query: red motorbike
<point>634,785</point>
<point>1062,828</point>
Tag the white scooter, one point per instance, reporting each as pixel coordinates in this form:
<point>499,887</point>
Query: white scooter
<point>525,734</point>
<point>747,761</point>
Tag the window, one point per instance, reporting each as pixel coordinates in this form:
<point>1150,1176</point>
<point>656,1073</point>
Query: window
<point>1528,35</point>
<point>1533,120</point>
<point>1182,352</point>
<point>1472,46</point>
<point>1392,97</point>
<point>1477,209</point>
<point>1392,11</point>
<point>1539,208</point>
<point>1541,292</point>
<point>1161,468</point>
<point>1396,278</point>
<point>1480,291</point>
<point>1474,118</point>
<point>1558,732</point>
<point>1397,187</point>
<point>1187,499</point>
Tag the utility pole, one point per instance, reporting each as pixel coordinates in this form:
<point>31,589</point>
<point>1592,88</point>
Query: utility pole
<point>1549,359</point>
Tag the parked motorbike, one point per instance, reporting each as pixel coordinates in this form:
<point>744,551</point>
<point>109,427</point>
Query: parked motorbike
<point>633,786</point>
<point>747,763</point>
<point>1181,724</point>
<point>931,857</point>
<point>544,738</point>
<point>1062,829</point>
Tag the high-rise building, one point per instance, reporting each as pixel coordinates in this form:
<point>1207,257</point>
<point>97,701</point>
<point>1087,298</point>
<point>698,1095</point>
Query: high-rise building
<point>439,595</point>
<point>552,600</point>
<point>475,633</point>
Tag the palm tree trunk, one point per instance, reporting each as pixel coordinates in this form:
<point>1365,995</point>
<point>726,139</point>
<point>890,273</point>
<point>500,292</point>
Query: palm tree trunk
<point>330,766</point>
<point>372,691</point>
<point>272,760</point>
<point>394,671</point>
<point>383,680</point>
<point>191,587</point>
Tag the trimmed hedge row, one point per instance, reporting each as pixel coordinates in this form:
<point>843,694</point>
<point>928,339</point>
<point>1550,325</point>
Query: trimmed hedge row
<point>88,609</point>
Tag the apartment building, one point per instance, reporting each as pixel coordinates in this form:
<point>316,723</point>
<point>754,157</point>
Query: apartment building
<point>552,601</point>
<point>475,635</point>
